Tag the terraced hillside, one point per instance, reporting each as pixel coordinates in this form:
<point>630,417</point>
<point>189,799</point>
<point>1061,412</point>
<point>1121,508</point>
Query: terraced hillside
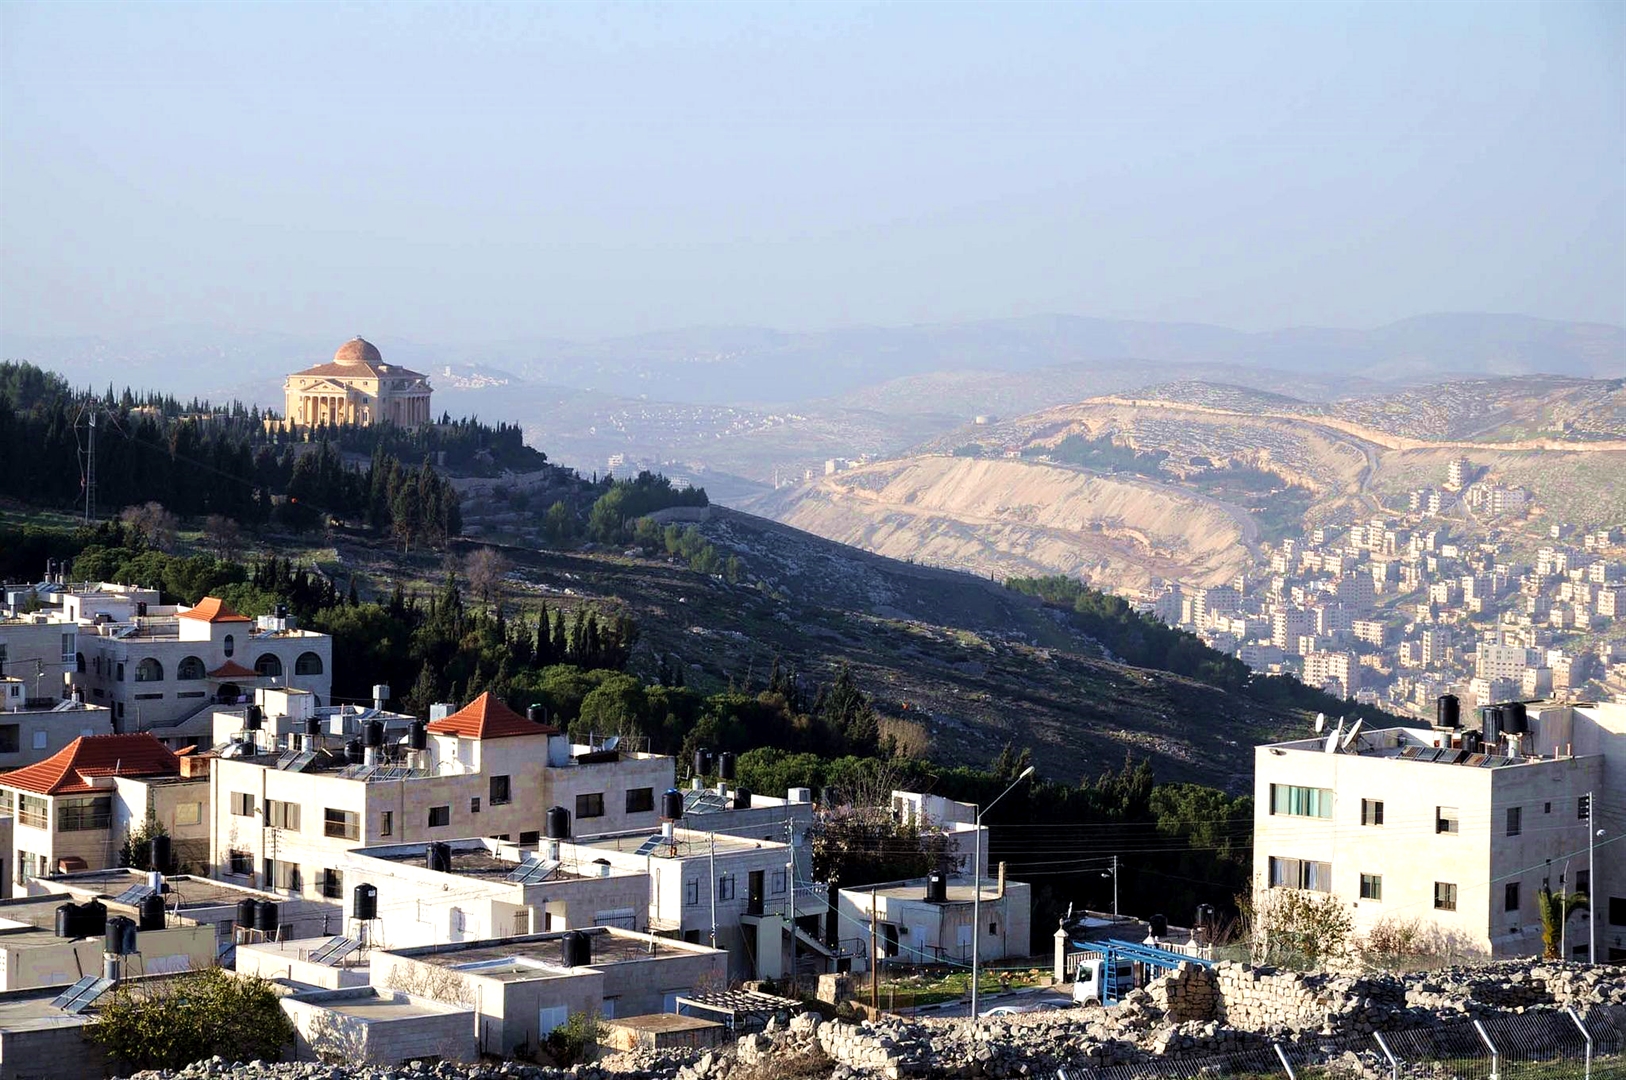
<point>1015,497</point>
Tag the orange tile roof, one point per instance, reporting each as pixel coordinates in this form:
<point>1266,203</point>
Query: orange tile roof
<point>69,770</point>
<point>213,609</point>
<point>231,669</point>
<point>487,717</point>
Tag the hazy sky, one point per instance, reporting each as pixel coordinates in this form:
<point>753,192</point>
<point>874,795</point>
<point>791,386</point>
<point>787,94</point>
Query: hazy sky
<point>462,172</point>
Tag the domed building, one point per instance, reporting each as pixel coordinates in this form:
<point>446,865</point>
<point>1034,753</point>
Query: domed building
<point>357,388</point>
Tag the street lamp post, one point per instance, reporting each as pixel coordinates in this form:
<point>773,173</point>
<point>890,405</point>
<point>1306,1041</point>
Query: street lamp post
<point>976,892</point>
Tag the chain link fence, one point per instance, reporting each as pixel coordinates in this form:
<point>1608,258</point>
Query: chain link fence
<point>1537,1045</point>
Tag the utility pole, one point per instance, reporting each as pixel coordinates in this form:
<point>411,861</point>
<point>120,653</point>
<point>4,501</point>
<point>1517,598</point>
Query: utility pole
<point>90,472</point>
<point>1115,886</point>
<point>1591,879</point>
<point>874,958</point>
<point>976,889</point>
<point>790,890</point>
<point>713,889</point>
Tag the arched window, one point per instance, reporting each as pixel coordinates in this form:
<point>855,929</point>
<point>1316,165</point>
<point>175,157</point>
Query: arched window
<point>308,664</point>
<point>149,670</point>
<point>231,644</point>
<point>269,665</point>
<point>189,669</point>
<point>79,662</point>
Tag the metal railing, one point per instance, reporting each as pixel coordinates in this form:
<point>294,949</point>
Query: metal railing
<point>1548,1044</point>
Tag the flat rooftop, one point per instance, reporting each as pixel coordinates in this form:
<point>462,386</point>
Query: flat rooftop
<point>476,863</point>
<point>31,1010</point>
<point>1414,744</point>
<point>369,1005</point>
<point>958,893</point>
<point>188,891</point>
<point>686,844</point>
<point>538,956</point>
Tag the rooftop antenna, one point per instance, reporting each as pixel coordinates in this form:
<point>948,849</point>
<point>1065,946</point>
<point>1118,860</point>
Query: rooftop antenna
<point>1320,722</point>
<point>1349,737</point>
<point>1333,736</point>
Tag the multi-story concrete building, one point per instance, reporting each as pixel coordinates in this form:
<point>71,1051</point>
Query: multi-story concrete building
<point>1339,673</point>
<point>74,809</point>
<point>1449,830</point>
<point>40,650</point>
<point>162,666</point>
<point>32,729</point>
<point>284,818</point>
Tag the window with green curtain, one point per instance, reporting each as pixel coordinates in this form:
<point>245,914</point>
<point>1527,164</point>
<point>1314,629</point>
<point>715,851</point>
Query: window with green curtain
<point>1296,801</point>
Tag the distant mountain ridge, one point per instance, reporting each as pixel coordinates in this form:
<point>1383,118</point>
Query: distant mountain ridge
<point>753,364</point>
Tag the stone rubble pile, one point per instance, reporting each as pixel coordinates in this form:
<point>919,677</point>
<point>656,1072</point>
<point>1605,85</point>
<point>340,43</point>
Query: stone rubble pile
<point>1227,1009</point>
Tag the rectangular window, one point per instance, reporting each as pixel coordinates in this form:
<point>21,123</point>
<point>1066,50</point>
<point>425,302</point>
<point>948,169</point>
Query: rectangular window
<point>333,884</point>
<point>725,886</point>
<point>189,813</point>
<point>282,815</point>
<point>1446,820</point>
<point>69,647</point>
<point>1510,897</point>
<point>40,740</point>
<point>1583,882</point>
<point>1372,887</point>
<point>284,875</point>
<point>386,823</point>
<point>1300,801</point>
<point>33,811</point>
<point>84,815</point>
<point>6,798</point>
<point>1300,874</point>
<point>440,817</point>
<point>341,824</point>
<point>1515,820</point>
<point>1617,911</point>
<point>474,805</point>
<point>240,863</point>
<point>10,739</point>
<point>1445,896</point>
<point>530,838</point>
<point>31,865</point>
<point>118,672</point>
<point>500,790</point>
<point>242,804</point>
<point>148,697</point>
<point>640,800</point>
<point>779,883</point>
<point>691,893</point>
<point>588,806</point>
<point>1371,811</point>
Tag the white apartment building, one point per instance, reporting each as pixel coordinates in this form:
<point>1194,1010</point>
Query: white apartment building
<point>1500,661</point>
<point>1429,826</point>
<point>40,650</point>
<point>32,729</point>
<point>158,668</point>
<point>284,817</point>
<point>1339,673</point>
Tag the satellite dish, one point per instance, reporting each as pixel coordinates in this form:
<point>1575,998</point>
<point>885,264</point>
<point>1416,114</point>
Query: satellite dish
<point>1320,722</point>
<point>1333,736</point>
<point>612,742</point>
<point>1354,730</point>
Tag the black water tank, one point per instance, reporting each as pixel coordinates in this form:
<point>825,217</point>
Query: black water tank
<point>936,887</point>
<point>1471,742</point>
<point>151,913</point>
<point>266,915</point>
<point>372,733</point>
<point>252,717</point>
<point>438,857</point>
<point>1515,718</point>
<point>1205,915</point>
<point>1490,722</point>
<point>536,714</point>
<point>725,765</point>
<point>141,609</point>
<point>313,726</point>
<point>245,913</point>
<point>671,804</point>
<point>94,914</point>
<point>282,611</point>
<point>417,735</point>
<point>119,935</point>
<point>742,799</point>
<point>159,853</point>
<point>576,949</point>
<point>702,761</point>
<point>353,752</point>
<point>1447,711</point>
<point>67,920</point>
<point>364,906</point>
<point>558,823</point>
<point>1159,925</point>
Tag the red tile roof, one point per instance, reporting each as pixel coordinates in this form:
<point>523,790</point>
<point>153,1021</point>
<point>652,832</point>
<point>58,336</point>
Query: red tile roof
<point>213,609</point>
<point>488,718</point>
<point>70,770</point>
<point>231,669</point>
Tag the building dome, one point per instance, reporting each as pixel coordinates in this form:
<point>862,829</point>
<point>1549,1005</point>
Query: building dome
<point>358,351</point>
